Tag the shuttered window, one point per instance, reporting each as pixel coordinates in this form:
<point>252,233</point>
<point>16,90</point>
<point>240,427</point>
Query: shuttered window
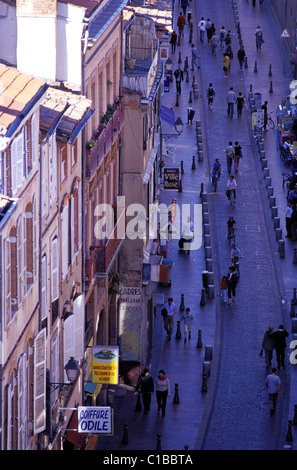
<point>55,269</point>
<point>65,240</point>
<point>7,281</point>
<point>53,174</point>
<point>22,402</point>
<point>74,332</point>
<point>34,140</point>
<point>44,295</point>
<point>18,161</point>
<point>39,397</point>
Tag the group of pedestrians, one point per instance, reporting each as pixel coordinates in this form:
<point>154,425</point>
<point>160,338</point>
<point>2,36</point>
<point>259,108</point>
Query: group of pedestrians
<point>168,312</point>
<point>146,387</point>
<point>274,340</point>
<point>233,156</point>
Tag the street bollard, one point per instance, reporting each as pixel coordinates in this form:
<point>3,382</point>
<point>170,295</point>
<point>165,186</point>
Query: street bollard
<point>278,234</point>
<point>204,207</point>
<point>206,368</point>
<point>245,63</point>
<point>272,201</point>
<point>202,300</point>
<point>208,264</point>
<point>255,67</point>
<point>138,406</point>
<point>270,88</point>
<point>179,58</point>
<point>268,182</point>
<point>294,296</point>
<point>177,100</point>
<point>203,195</point>
<point>182,167</point>
<point>158,442</point>
<point>208,253</point>
<point>289,435</point>
<point>266,172</point>
<point>281,248</point>
<point>190,97</point>
<point>193,163</point>
<point>208,353</point>
<point>176,396</point>
<point>205,279</point>
<point>295,415</point>
<point>270,191</point>
<point>276,222</point>
<point>125,439</point>
<point>180,185</point>
<point>205,217</point>
<point>187,77</point>
<point>295,256</point>
<point>201,191</point>
<point>206,231</point>
<point>204,384</point>
<point>292,310</point>
<point>210,291</point>
<point>186,447</point>
<point>264,163</point>
<point>182,303</point>
<point>274,211</point>
<point>210,278</point>
<point>199,341</point>
<point>207,240</point>
<point>294,325</point>
<point>270,71</point>
<point>186,64</point>
<point>178,332</point>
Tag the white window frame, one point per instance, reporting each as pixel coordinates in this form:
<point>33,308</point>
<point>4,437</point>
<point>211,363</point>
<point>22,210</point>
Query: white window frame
<point>55,269</point>
<point>34,140</point>
<point>44,290</point>
<point>39,382</point>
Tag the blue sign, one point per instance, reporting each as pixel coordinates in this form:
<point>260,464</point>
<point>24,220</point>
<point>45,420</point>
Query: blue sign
<point>166,83</point>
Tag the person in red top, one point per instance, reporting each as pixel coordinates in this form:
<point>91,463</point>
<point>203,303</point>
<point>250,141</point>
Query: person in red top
<point>181,21</point>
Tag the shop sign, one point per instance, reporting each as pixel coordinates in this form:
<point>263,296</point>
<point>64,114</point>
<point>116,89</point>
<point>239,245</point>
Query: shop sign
<point>171,178</point>
<point>105,364</point>
<point>95,419</point>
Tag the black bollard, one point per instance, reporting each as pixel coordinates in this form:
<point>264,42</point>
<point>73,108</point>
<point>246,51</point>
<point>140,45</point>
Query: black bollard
<point>292,311</point>
<point>193,163</point>
<point>295,256</point>
<point>245,63</point>
<point>182,167</point>
<point>180,185</point>
<point>204,383</point>
<point>138,406</point>
<point>176,396</point>
<point>295,415</point>
<point>270,71</point>
<point>199,342</point>
<point>125,439</point>
<point>294,299</point>
<point>179,58</point>
<point>182,304</point>
<point>190,97</point>
<point>178,332</point>
<point>177,100</point>
<point>201,190</point>
<point>186,64</point>
<point>270,88</point>
<point>158,442</point>
<point>255,67</point>
<point>193,82</point>
<point>202,300</point>
<point>187,77</point>
<point>289,435</point>
<point>186,447</point>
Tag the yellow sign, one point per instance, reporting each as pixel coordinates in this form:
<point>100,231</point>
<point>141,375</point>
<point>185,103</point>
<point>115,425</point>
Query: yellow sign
<point>105,364</point>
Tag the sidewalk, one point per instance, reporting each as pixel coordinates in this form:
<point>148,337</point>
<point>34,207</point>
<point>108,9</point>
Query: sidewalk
<point>183,363</point>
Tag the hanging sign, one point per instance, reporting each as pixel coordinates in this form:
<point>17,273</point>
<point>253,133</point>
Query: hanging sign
<point>95,419</point>
<point>285,34</point>
<point>105,364</point>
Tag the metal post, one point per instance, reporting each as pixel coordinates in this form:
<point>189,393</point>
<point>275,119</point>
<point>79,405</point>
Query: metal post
<point>176,399</point>
<point>182,304</point>
<point>178,332</point>
<point>199,342</point>
<point>125,439</point>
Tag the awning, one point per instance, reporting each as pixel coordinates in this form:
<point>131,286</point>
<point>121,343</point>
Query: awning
<point>76,438</point>
<point>92,388</point>
<point>151,160</point>
<point>167,115</point>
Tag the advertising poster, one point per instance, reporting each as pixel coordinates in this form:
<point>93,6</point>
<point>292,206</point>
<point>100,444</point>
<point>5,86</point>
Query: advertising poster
<point>105,364</point>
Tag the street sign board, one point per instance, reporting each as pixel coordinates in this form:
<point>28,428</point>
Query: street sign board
<point>285,34</point>
<point>171,178</point>
<point>95,419</point>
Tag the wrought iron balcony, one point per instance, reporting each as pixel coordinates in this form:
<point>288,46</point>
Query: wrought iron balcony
<point>107,135</point>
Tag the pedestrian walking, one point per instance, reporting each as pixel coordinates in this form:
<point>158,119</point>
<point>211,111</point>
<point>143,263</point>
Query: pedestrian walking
<point>240,104</point>
<point>279,337</point>
<point>173,41</point>
<point>188,234</point>
<point>222,35</point>
<point>210,95</point>
<point>230,156</point>
<point>226,65</point>
<point>265,114</point>
<point>237,155</point>
<point>289,212</point>
<point>145,386</point>
<point>229,53</point>
<point>162,390</point>
<point>228,38</point>
<point>181,21</point>
<point>214,43</point>
<point>202,28</point>
<point>294,223</point>
<point>231,284</point>
<point>223,286</point>
<point>231,99</point>
<point>268,346</point>
<point>259,38</point>
<point>184,5</point>
<point>179,76</point>
<point>195,57</point>
<point>188,319</point>
<point>208,29</point>
<point>273,384</point>
<point>171,309</point>
<point>241,57</point>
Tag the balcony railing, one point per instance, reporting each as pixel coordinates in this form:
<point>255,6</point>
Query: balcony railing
<point>107,136</point>
<point>101,257</point>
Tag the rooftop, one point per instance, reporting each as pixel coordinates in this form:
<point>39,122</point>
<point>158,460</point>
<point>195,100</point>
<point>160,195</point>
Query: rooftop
<point>6,204</point>
<point>159,10</point>
<point>17,90</point>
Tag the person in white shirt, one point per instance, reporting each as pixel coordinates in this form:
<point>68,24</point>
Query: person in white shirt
<point>171,309</point>
<point>188,234</point>
<point>231,99</point>
<point>202,27</point>
<point>231,186</point>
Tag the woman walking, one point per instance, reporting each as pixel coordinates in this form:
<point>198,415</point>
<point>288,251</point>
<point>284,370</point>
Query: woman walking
<point>162,390</point>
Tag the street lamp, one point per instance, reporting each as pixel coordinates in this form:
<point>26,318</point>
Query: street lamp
<point>179,126</point>
<point>72,371</point>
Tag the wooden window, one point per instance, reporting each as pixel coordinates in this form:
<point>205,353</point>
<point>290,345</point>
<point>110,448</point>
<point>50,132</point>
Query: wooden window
<point>7,281</point>
<point>34,235</point>
<point>3,173</point>
<point>29,244</point>
<point>39,397</point>
<point>74,332</point>
<point>13,271</point>
<point>18,161</point>
<point>55,367</point>
<point>34,140</point>
<point>21,258</point>
<point>11,413</point>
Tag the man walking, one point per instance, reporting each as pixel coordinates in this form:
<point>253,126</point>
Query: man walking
<point>188,318</point>
<point>273,384</point>
<point>230,156</point>
<point>171,309</point>
<point>145,386</point>
<point>181,21</point>
<point>231,99</point>
<point>179,76</point>
<point>195,57</point>
<point>202,27</point>
<point>280,345</point>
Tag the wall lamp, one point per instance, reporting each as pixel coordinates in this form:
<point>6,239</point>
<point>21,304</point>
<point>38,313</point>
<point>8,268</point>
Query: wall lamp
<point>72,371</point>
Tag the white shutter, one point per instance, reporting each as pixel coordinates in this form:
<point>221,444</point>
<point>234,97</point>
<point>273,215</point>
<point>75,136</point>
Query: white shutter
<point>7,281</point>
<point>65,241</point>
<point>22,402</point>
<point>79,216</point>
<point>24,255</point>
<point>20,158</point>
<point>35,241</point>
<point>44,195</point>
<point>39,396</point>
<point>55,269</point>
<point>19,260</point>
<point>79,329</point>
<point>53,169</point>
<point>10,394</point>
<point>55,367</point>
<point>34,140</point>
<point>68,338</point>
<point>44,305</point>
<point>13,169</point>
<point>72,208</point>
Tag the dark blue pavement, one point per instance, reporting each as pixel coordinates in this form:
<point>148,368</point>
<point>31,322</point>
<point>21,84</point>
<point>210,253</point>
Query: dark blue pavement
<point>187,423</point>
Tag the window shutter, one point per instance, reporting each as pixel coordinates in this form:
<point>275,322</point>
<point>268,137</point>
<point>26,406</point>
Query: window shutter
<point>34,140</point>
<point>72,229</point>
<point>19,260</point>
<point>22,402</point>
<point>40,382</point>
<point>7,281</point>
<point>20,158</point>
<point>68,341</point>
<point>55,369</point>
<point>24,255</point>
<point>13,163</point>
<point>10,395</point>
<point>79,215</point>
<point>53,168</point>
<point>79,331</point>
<point>65,241</point>
<point>44,306</point>
<point>55,269</point>
<point>35,244</point>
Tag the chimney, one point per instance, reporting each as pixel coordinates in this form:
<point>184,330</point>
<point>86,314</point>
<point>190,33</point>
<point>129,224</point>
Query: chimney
<point>36,38</point>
